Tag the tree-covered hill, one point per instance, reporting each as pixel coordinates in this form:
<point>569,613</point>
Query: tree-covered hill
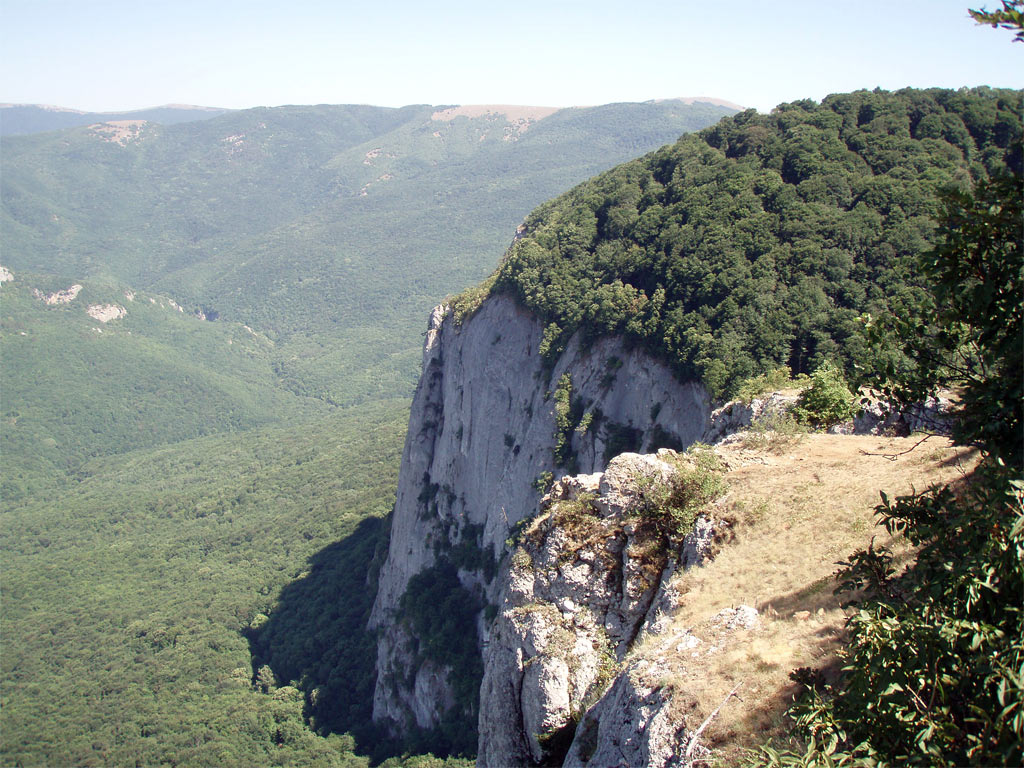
<point>328,231</point>
<point>758,242</point>
<point>332,229</point>
<point>76,387</point>
<point>127,594</point>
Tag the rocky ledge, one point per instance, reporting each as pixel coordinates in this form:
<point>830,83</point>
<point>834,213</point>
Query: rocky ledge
<point>588,577</point>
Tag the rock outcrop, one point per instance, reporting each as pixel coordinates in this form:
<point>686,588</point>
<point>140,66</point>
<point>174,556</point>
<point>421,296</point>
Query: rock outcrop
<point>106,312</point>
<point>483,432</point>
<point>589,574</point>
<point>65,296</point>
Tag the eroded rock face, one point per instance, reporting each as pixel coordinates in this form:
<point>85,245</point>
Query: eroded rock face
<point>737,415</point>
<point>879,418</point>
<point>586,578</point>
<point>106,312</point>
<point>632,725</point>
<point>65,296</point>
<point>482,430</point>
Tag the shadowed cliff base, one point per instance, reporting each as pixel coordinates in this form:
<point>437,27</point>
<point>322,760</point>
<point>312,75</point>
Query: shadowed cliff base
<point>316,641</point>
<point>316,638</point>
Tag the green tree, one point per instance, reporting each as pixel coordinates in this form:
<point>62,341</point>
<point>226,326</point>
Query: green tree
<point>934,670</point>
<point>1010,16</point>
<point>968,332</point>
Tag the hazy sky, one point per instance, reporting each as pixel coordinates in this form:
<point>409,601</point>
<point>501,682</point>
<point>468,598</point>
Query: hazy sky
<point>115,54</point>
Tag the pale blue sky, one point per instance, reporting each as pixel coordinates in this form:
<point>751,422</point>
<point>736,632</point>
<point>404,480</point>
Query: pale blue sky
<point>115,54</point>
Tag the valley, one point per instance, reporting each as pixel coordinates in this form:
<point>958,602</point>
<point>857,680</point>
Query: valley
<point>217,550</point>
<point>172,471</point>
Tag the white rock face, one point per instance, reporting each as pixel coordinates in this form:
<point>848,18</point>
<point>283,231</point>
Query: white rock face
<point>65,296</point>
<point>736,415</point>
<point>630,726</point>
<point>106,312</point>
<point>587,577</point>
<point>481,431</point>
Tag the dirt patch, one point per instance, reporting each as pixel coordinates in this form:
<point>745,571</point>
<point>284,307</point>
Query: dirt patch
<point>119,131</point>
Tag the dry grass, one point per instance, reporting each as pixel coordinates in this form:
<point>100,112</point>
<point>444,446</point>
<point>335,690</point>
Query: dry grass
<point>796,515</point>
<point>118,131</point>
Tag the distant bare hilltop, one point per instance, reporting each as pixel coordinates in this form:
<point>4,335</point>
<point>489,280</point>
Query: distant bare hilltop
<point>20,119</point>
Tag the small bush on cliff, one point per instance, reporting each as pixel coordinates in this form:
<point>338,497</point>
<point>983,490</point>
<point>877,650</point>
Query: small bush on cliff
<point>827,401</point>
<point>774,432</point>
<point>766,383</point>
<point>465,304</point>
<point>673,506</point>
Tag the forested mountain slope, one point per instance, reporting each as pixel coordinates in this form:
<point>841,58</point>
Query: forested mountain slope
<point>326,230</point>
<point>759,242</point>
<point>103,371</point>
<point>331,229</point>
<point>753,244</point>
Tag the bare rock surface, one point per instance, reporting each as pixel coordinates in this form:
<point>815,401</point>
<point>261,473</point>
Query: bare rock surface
<point>481,433</point>
<point>632,725</point>
<point>587,577</point>
<point>106,312</point>
<point>737,414</point>
<point>65,296</point>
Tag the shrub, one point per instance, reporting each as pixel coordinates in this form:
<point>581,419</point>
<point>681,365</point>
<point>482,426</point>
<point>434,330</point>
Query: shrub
<point>827,401</point>
<point>765,383</point>
<point>695,483</point>
<point>774,432</point>
<point>469,301</point>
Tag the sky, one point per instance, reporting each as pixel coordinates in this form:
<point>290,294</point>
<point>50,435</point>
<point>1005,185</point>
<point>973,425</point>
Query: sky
<point>112,55</point>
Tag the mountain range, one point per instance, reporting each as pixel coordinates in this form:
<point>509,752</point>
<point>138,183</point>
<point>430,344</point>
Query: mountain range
<point>210,332</point>
<point>218,552</point>
<point>19,119</point>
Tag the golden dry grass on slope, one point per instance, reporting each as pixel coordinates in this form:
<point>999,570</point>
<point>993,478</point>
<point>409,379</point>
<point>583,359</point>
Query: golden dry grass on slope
<point>796,515</point>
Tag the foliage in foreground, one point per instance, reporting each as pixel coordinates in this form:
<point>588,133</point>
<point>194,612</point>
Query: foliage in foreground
<point>934,670</point>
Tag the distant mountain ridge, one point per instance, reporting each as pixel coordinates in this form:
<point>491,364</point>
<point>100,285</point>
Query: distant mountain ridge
<point>22,119</point>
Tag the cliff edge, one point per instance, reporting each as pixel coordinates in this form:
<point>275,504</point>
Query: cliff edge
<point>491,423</point>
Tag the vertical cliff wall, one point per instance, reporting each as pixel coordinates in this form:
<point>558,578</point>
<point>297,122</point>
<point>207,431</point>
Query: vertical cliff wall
<point>483,431</point>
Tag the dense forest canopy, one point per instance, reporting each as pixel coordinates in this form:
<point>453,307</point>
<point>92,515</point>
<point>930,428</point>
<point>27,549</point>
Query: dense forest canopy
<point>760,241</point>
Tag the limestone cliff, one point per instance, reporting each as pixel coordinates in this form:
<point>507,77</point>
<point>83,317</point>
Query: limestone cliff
<point>590,573</point>
<point>483,431</point>
<point>529,616</point>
